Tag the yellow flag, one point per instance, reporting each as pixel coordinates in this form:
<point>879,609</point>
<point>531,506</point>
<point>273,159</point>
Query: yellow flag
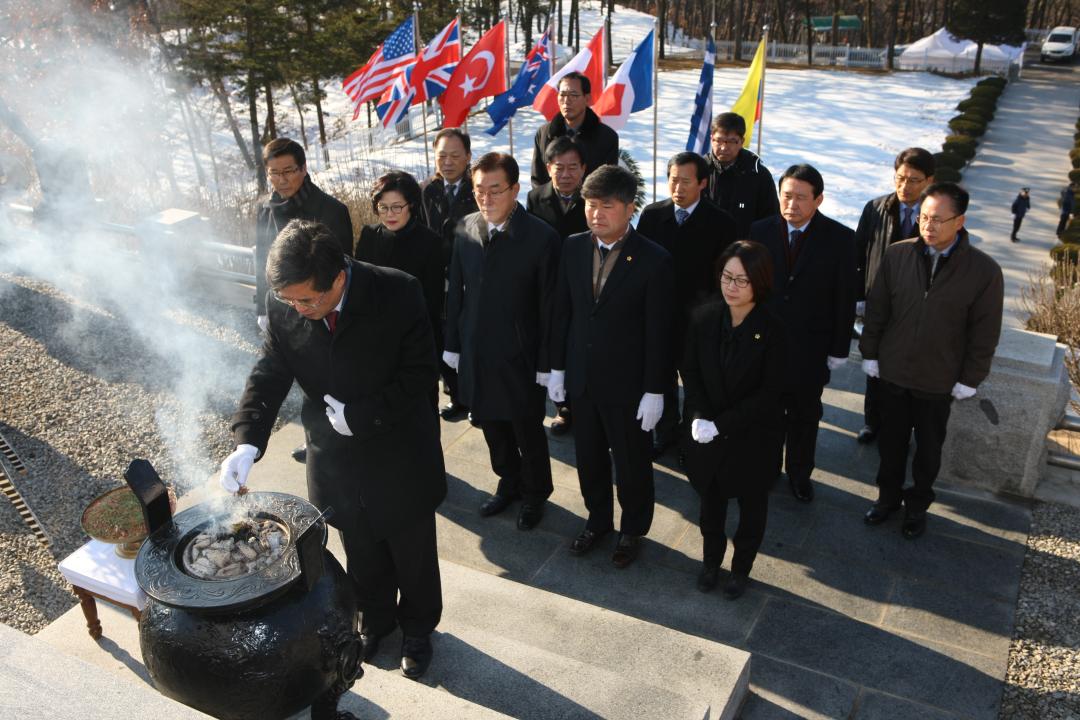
<point>749,103</point>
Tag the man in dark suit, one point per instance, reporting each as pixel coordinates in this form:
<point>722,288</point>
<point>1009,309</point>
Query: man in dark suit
<point>501,279</point>
<point>559,203</point>
<point>357,339</point>
<point>611,341</point>
<point>695,231</point>
<point>814,293</point>
<point>577,121</point>
<point>446,199</point>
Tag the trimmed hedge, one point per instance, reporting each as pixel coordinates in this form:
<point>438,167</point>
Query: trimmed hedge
<point>993,80</point>
<point>987,91</point>
<point>971,103</point>
<point>963,149</point>
<point>1074,153</point>
<point>1074,175</point>
<point>948,159</point>
<point>963,126</point>
<point>946,174</point>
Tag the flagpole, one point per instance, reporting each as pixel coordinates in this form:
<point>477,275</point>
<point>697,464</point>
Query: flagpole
<point>510,120</point>
<point>423,105</point>
<point>764,62</point>
<point>656,100</point>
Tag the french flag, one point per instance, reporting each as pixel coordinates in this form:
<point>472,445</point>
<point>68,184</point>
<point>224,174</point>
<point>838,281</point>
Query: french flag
<point>589,62</point>
<point>630,89</point>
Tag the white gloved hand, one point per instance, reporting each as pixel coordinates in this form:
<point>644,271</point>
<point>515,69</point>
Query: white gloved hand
<point>962,392</point>
<point>451,359</point>
<point>703,431</point>
<point>557,386</point>
<point>235,468</point>
<point>649,410</point>
<point>335,413</point>
<point>870,367</point>
<point>263,322</point>
<point>860,308</point>
<point>542,379</point>
<point>835,363</point>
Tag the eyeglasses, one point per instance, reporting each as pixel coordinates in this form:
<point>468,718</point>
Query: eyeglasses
<point>493,194</point>
<point>307,305</point>
<point>391,209</point>
<point>286,173</point>
<point>908,180</point>
<point>931,222</point>
<point>563,95</point>
<point>722,141</point>
<point>739,281</point>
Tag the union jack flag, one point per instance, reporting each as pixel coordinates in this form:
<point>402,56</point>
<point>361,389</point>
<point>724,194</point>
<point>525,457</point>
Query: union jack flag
<point>436,63</point>
<point>395,101</point>
<point>377,75</point>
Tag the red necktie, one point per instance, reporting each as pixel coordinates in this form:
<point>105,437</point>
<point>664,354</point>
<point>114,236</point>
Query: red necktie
<point>331,320</point>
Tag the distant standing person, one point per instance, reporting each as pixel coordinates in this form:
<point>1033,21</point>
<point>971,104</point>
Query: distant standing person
<point>1066,202</point>
<point>738,181</point>
<point>1020,206</point>
<point>577,121</point>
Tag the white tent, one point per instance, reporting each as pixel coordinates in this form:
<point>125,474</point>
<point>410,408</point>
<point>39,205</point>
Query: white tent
<point>943,52</point>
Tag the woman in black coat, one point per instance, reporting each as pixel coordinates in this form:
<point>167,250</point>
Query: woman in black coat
<point>733,373</point>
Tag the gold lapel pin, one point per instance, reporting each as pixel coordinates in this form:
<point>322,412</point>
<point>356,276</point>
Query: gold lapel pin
<point>629,258</point>
<point>757,336</point>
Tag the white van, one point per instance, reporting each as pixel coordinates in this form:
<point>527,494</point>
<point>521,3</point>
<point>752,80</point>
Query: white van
<point>1060,44</point>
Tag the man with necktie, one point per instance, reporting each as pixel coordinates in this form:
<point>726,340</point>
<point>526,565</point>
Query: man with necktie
<point>886,220</point>
<point>814,293</point>
<point>933,320</point>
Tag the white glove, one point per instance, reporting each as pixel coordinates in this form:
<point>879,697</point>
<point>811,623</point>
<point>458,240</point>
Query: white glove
<point>870,367</point>
<point>451,359</point>
<point>835,363</point>
<point>962,392</point>
<point>235,468</point>
<point>860,308</point>
<point>557,386</point>
<point>649,410</point>
<point>703,431</point>
<point>263,322</point>
<point>335,413</point>
<point>542,379</point>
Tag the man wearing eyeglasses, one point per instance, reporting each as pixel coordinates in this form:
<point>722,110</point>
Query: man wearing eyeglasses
<point>933,320</point>
<point>738,181</point>
<point>357,339</point>
<point>577,121</point>
<point>497,315</point>
<point>886,220</point>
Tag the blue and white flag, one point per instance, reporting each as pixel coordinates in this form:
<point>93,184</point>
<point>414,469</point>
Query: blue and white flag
<point>532,76</point>
<point>699,124</point>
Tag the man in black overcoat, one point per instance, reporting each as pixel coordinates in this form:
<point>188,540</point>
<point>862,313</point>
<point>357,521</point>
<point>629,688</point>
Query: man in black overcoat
<point>814,293</point>
<point>497,323</point>
<point>695,231</point>
<point>577,121</point>
<point>611,350</point>
<point>357,339</point>
<point>738,181</point>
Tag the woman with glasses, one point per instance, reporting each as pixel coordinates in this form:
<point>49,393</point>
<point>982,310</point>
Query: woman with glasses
<point>733,373</point>
<point>400,240</point>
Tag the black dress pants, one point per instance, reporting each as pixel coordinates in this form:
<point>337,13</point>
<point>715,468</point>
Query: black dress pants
<point>1017,219</point>
<point>603,432</point>
<point>753,512</point>
<point>902,411</point>
<point>667,430</point>
<point>802,412</point>
<point>871,404</point>
<point>519,456</point>
<point>396,578</point>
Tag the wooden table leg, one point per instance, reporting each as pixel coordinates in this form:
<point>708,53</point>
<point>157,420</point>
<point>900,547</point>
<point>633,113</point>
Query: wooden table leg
<point>89,608</point>
<point>135,613</point>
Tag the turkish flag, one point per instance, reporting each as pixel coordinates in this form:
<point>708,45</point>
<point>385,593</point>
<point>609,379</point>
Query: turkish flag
<point>481,73</point>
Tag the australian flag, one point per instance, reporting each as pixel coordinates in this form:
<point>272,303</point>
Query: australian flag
<point>533,74</point>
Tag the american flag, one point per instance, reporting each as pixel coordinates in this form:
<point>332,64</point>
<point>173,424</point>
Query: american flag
<point>377,74</point>
<point>436,63</point>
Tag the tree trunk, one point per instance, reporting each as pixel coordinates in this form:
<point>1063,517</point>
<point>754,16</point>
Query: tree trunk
<point>253,119</point>
<point>558,21</point>
<point>661,13</point>
<point>322,120</point>
<point>978,57</point>
<point>890,35</point>
<point>607,37</point>
<point>809,35</point>
<point>223,98</point>
<point>834,37</point>
<point>300,114</point>
<point>271,121</point>
<point>737,27</point>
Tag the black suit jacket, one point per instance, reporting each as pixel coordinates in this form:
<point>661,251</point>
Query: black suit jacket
<point>600,143</point>
<point>694,247</point>
<point>441,215</point>
<point>381,364</point>
<point>742,398</point>
<point>498,310</point>
<point>816,297</point>
<point>619,346</point>
<point>545,204</point>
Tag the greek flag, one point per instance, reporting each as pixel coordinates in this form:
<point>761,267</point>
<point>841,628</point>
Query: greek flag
<point>699,124</point>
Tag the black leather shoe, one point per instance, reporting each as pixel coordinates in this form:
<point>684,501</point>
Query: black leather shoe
<point>914,523</point>
<point>659,447</point>
<point>708,577</point>
<point>299,454</point>
<point>453,411</point>
<point>495,505</point>
<point>370,642</point>
<point>584,542</point>
<point>735,586</point>
<point>866,436</point>
<point>626,550</point>
<point>561,424</point>
<point>803,490</point>
<point>416,654</point>
<point>529,515</point>
<point>879,512</point>
<point>472,421</point>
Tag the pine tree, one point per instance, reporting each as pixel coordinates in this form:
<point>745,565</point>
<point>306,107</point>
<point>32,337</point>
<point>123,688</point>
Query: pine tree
<point>988,21</point>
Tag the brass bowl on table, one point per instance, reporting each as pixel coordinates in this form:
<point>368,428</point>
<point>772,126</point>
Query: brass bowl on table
<point>117,518</point>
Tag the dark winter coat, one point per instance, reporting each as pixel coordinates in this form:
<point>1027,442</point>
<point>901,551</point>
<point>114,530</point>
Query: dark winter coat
<point>544,203</point>
<point>738,388</point>
<point>381,363</point>
<point>879,227</point>
<point>1021,205</point>
<point>745,190</point>
<point>599,142</point>
<point>442,216</point>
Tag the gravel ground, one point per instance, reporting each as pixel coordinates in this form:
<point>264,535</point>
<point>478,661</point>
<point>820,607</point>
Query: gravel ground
<point>1043,680</point>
